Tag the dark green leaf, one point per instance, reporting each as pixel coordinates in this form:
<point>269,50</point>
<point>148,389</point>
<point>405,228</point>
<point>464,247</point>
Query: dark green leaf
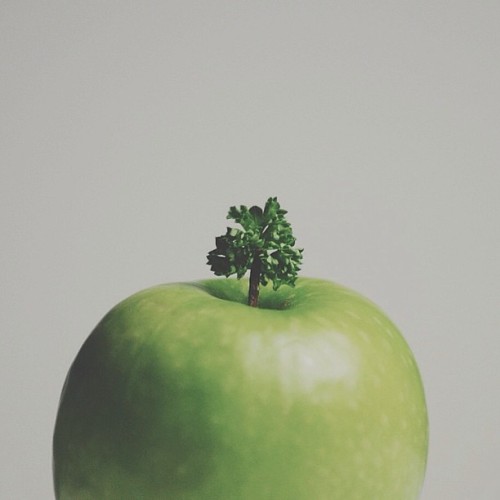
<point>266,235</point>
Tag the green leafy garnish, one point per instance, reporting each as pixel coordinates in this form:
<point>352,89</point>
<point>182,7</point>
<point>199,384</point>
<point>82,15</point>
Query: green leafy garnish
<point>264,245</point>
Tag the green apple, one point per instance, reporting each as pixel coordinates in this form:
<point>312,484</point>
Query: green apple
<point>185,392</point>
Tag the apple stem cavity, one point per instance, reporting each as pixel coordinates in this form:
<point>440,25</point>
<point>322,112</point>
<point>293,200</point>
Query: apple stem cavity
<point>264,245</point>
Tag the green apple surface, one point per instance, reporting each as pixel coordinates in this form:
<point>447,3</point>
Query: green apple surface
<point>184,392</point>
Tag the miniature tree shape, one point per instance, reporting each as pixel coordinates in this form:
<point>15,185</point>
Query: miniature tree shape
<point>264,245</point>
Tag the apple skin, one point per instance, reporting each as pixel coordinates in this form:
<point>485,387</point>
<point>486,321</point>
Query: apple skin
<point>184,392</point>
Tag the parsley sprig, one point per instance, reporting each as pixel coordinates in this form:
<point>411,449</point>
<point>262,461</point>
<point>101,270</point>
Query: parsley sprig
<point>264,245</point>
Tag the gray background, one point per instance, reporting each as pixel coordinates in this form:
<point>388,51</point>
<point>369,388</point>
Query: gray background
<point>129,128</point>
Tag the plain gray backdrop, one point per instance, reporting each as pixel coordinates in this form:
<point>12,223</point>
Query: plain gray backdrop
<point>129,128</point>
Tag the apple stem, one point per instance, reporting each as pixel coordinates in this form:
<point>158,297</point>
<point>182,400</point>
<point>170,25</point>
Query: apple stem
<point>253,290</point>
